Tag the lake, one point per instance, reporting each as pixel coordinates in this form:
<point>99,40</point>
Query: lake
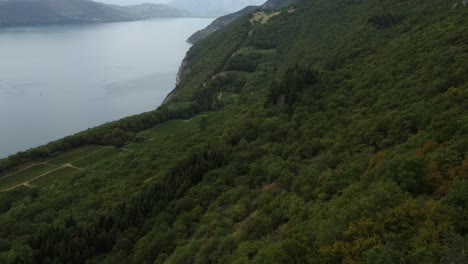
<point>59,80</point>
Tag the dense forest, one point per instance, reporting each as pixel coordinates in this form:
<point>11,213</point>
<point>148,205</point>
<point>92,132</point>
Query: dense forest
<point>328,131</point>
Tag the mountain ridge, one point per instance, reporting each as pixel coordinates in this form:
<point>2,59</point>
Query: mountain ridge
<point>34,12</point>
<point>223,21</point>
<point>213,7</point>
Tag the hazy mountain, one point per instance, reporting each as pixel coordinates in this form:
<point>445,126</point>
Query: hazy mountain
<point>214,7</point>
<point>156,10</point>
<point>30,12</point>
<point>132,2</point>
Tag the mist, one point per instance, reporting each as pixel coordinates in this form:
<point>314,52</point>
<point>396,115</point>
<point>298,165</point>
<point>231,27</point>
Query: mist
<point>132,2</point>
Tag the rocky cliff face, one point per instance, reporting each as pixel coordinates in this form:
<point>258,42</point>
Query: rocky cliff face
<point>219,24</point>
<point>459,4</point>
<point>183,69</point>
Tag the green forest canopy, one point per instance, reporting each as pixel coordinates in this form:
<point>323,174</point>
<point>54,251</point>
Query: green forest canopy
<point>335,132</point>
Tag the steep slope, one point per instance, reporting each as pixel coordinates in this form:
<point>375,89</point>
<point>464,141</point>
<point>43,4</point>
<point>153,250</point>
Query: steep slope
<point>223,21</point>
<point>332,132</point>
<point>218,24</point>
<point>31,12</point>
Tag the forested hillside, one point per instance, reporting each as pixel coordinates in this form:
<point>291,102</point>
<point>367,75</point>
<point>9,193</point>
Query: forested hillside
<point>223,21</point>
<point>330,131</point>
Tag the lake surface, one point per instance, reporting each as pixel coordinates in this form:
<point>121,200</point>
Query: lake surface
<point>59,80</point>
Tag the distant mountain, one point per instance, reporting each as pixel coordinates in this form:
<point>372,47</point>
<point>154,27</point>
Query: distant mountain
<point>33,12</point>
<point>214,7</point>
<point>146,11</point>
<point>228,19</point>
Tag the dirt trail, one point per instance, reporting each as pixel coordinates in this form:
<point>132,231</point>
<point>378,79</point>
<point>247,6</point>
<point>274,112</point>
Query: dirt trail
<point>72,166</point>
<point>28,182</point>
<point>57,167</point>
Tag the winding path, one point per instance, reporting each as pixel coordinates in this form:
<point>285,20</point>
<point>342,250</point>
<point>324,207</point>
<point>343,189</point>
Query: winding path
<point>28,183</point>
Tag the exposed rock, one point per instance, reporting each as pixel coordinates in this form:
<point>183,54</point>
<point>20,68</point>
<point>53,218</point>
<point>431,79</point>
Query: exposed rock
<point>281,100</point>
<point>183,69</point>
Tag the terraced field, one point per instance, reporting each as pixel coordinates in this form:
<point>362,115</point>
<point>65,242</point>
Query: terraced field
<point>46,173</point>
<point>22,176</point>
<point>75,155</point>
<point>43,173</point>
<point>159,133</point>
<point>89,160</point>
<point>54,177</point>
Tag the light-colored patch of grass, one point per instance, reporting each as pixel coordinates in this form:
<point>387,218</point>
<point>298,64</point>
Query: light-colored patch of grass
<point>74,155</point>
<point>24,175</point>
<point>159,133</point>
<point>263,17</point>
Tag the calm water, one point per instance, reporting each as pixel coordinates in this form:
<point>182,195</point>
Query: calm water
<point>58,80</point>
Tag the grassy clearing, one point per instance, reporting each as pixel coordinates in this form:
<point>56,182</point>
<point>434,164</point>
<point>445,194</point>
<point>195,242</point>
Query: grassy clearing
<point>263,17</point>
<point>167,128</point>
<point>138,147</point>
<point>8,172</point>
<point>54,177</point>
<point>97,157</point>
<point>74,155</point>
<point>89,155</point>
<point>24,175</point>
<point>173,127</point>
<point>155,135</point>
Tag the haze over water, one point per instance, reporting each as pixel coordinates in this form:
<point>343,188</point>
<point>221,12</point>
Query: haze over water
<point>59,80</point>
